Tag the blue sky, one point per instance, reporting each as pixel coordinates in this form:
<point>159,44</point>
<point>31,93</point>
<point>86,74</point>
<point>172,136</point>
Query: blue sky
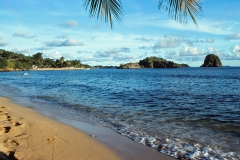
<point>64,28</point>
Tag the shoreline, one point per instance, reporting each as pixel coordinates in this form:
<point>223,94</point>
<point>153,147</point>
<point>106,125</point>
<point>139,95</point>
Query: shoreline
<point>25,134</point>
<point>105,144</point>
<point>56,69</point>
<point>43,69</point>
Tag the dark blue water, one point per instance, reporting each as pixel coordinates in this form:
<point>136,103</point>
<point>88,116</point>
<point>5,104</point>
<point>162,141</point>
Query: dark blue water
<point>188,111</point>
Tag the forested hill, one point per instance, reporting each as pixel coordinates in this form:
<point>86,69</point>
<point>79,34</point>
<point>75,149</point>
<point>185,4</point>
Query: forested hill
<point>155,62</point>
<point>14,61</point>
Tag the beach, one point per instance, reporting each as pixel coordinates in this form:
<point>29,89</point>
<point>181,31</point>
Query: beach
<point>26,134</point>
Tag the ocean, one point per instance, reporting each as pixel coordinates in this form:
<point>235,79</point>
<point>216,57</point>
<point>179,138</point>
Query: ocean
<point>183,112</point>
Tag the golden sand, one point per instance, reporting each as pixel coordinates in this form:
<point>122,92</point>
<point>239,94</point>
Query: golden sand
<point>25,135</point>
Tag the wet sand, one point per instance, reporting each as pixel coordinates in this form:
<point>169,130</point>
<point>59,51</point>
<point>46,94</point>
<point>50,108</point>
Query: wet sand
<point>25,134</point>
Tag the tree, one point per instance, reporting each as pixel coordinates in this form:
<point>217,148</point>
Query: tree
<point>47,62</point>
<point>61,62</point>
<point>76,63</point>
<point>11,64</point>
<point>57,62</point>
<point>18,65</point>
<point>3,63</point>
<point>67,63</point>
<point>38,59</point>
<point>177,9</point>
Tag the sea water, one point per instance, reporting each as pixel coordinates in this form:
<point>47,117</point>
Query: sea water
<point>189,113</point>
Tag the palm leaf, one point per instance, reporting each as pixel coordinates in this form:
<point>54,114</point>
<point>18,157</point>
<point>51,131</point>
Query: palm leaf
<point>105,9</point>
<point>179,9</point>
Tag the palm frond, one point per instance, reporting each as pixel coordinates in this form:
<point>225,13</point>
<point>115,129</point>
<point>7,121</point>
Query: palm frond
<point>105,9</point>
<point>179,9</point>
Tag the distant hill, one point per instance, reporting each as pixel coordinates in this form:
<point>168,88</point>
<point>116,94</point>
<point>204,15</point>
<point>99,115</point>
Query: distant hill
<point>212,60</point>
<point>15,61</point>
<point>155,62</point>
<point>129,66</point>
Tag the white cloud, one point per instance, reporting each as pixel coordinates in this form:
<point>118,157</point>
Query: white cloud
<point>212,50</point>
<point>209,40</point>
<point>194,54</point>
<point>72,42</point>
<point>84,51</point>
<point>70,23</point>
<point>42,48</point>
<point>2,43</point>
<point>195,51</point>
<point>161,21</point>
<point>58,55</point>
<point>115,55</point>
<point>53,55</point>
<point>124,49</point>
<point>168,42</point>
<point>22,35</point>
<point>95,27</point>
<point>191,51</point>
<point>22,50</point>
<point>62,36</point>
<point>233,36</point>
<point>144,39</point>
<point>69,42</point>
<point>171,52</point>
<point>236,50</point>
<point>207,26</point>
<point>144,47</point>
<point>107,53</point>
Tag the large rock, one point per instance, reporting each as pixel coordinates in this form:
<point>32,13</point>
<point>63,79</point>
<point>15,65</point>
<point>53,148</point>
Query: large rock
<point>155,62</point>
<point>129,66</point>
<point>212,60</point>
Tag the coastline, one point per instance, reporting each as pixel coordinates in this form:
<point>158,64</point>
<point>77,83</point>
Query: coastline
<point>25,134</point>
<point>56,69</point>
<point>86,97</point>
<point>43,69</point>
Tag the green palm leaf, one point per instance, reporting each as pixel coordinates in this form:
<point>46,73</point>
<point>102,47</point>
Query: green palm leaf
<point>105,9</point>
<point>179,9</point>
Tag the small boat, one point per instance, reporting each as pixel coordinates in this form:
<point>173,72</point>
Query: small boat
<point>25,74</point>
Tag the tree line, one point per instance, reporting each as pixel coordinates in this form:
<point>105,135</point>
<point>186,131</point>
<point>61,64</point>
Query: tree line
<point>11,60</point>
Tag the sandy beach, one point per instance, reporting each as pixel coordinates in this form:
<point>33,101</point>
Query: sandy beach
<point>60,69</point>
<point>25,134</point>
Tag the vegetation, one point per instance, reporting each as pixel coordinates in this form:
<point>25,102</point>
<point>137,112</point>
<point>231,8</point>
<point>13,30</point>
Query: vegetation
<point>212,60</point>
<point>105,67</point>
<point>129,65</point>
<point>155,62</point>
<point>176,9</point>
<point>13,61</point>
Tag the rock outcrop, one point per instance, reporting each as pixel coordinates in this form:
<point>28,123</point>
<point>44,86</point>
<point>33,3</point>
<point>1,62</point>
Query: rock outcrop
<point>212,60</point>
<point>129,66</point>
<point>155,62</point>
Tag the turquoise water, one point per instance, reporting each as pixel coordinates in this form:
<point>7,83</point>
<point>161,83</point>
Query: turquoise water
<point>192,112</point>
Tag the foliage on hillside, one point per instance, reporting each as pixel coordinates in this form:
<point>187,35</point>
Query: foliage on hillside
<point>129,66</point>
<point>155,62</point>
<point>11,60</point>
<point>212,60</point>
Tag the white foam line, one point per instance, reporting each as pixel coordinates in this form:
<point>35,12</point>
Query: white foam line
<point>178,148</point>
